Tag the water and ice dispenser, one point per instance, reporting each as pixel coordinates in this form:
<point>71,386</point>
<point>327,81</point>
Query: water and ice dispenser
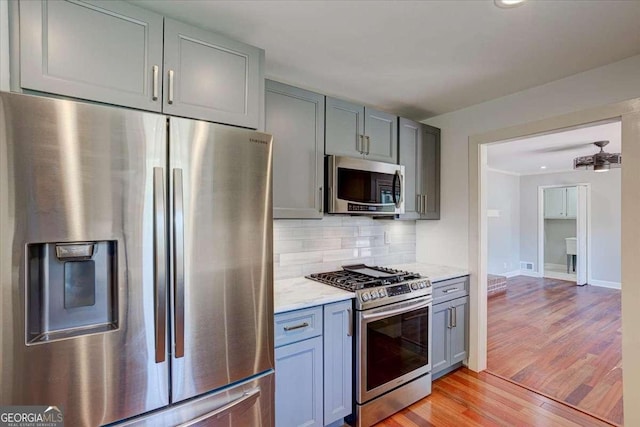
<point>71,289</point>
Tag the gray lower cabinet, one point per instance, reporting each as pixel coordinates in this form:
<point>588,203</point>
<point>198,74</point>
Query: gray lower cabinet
<point>117,53</point>
<point>338,356</point>
<point>103,51</point>
<point>210,77</point>
<point>314,365</point>
<point>295,118</point>
<point>419,152</point>
<point>299,384</point>
<point>450,327</point>
<point>356,131</point>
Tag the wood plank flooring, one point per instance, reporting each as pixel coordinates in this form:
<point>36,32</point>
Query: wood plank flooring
<point>465,398</point>
<point>561,340</point>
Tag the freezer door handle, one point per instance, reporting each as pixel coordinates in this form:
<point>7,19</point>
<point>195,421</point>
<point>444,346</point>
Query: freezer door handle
<point>243,403</point>
<point>159,263</point>
<point>178,262</point>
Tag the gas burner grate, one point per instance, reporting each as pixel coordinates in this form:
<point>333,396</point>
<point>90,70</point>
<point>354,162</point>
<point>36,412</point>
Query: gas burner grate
<point>351,280</point>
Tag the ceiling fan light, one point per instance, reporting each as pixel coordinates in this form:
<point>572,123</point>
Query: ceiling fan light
<point>601,166</point>
<point>506,4</point>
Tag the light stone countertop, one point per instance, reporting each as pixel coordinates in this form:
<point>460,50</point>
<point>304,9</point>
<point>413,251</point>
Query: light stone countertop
<point>300,292</point>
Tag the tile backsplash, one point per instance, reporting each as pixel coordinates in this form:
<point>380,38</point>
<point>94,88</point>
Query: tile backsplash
<point>303,247</point>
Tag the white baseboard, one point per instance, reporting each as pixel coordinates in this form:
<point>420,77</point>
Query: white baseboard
<point>605,284</point>
<point>560,276</point>
<point>529,273</point>
<point>513,273</point>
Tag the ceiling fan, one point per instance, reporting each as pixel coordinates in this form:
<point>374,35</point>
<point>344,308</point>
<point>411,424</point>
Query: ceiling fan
<point>599,162</point>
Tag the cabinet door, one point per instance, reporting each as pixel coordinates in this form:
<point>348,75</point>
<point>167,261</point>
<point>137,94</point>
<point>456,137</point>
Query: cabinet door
<point>299,384</point>
<point>554,202</point>
<point>571,202</point>
<point>210,77</point>
<point>409,155</point>
<point>459,329</point>
<point>97,50</point>
<point>295,118</point>
<point>344,128</point>
<point>381,131</point>
<point>430,187</point>
<point>338,361</point>
<point>440,348</point>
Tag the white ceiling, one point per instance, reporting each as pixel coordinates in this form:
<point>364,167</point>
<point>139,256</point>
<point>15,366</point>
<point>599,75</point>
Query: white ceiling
<point>421,58</point>
<point>555,151</point>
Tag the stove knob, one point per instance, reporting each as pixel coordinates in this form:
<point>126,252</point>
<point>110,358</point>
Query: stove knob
<point>423,285</point>
<point>381,293</point>
<point>374,295</point>
<point>414,286</point>
<point>365,296</point>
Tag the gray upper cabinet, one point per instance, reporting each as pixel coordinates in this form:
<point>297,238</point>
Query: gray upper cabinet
<point>381,135</point>
<point>210,77</point>
<point>113,51</point>
<point>295,118</point>
<point>96,50</point>
<point>419,152</point>
<point>356,131</point>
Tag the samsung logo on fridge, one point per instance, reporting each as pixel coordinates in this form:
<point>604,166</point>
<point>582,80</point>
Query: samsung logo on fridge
<point>258,141</point>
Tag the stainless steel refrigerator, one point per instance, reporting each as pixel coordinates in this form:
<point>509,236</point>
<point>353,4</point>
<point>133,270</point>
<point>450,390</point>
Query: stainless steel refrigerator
<point>135,266</point>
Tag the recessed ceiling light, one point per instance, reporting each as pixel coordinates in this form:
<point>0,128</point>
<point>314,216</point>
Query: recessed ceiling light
<point>543,167</point>
<point>506,4</point>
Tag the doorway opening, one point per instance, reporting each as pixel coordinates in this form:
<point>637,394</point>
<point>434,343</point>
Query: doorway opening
<point>539,237</point>
<point>563,232</point>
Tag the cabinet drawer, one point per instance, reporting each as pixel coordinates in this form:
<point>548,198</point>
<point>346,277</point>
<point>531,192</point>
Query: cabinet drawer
<point>450,289</point>
<point>298,325</point>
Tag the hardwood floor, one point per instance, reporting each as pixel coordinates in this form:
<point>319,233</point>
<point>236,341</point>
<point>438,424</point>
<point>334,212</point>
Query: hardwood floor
<point>562,340</point>
<point>465,398</point>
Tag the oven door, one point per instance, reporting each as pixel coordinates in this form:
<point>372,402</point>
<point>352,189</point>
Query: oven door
<point>394,346</point>
<point>360,186</point>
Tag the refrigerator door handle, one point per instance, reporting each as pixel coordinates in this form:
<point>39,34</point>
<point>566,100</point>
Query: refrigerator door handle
<point>245,401</point>
<point>178,261</point>
<point>159,263</point>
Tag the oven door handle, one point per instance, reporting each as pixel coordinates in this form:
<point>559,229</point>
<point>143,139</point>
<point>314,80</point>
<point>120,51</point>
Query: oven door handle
<point>405,308</point>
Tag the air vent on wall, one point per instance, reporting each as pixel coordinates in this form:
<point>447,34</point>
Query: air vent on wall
<point>526,266</point>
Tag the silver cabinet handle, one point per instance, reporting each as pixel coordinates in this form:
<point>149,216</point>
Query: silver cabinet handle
<point>454,310</point>
<point>170,96</point>
<point>446,291</point>
<point>418,203</point>
<point>449,323</point>
<point>350,320</point>
<point>178,261</point>
<point>321,201</point>
<point>159,263</point>
<point>245,401</point>
<point>368,145</point>
<point>293,328</point>
<point>359,144</point>
<point>424,203</point>
<point>155,82</point>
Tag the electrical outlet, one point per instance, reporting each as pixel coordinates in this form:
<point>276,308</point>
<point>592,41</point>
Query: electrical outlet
<point>504,265</point>
<point>386,238</point>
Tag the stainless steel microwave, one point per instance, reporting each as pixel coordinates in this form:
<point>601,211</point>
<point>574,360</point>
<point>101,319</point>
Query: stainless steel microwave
<point>358,186</point>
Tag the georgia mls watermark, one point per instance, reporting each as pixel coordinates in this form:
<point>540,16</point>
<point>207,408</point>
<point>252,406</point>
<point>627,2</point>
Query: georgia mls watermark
<point>31,416</point>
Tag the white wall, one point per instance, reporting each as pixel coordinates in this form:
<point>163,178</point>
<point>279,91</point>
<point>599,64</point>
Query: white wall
<point>503,199</point>
<point>555,245</point>
<point>4,45</point>
<point>446,241</point>
<point>605,218</point>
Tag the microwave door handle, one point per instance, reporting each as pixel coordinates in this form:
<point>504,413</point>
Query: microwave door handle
<point>397,178</point>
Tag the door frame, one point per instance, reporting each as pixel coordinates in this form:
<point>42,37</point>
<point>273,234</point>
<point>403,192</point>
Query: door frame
<point>541,218</point>
<point>629,113</point>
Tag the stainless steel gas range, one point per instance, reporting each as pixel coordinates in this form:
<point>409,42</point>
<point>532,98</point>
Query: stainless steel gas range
<point>393,338</point>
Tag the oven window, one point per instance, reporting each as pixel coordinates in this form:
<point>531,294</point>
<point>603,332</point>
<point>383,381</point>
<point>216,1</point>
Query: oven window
<point>366,187</point>
<point>396,346</point>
